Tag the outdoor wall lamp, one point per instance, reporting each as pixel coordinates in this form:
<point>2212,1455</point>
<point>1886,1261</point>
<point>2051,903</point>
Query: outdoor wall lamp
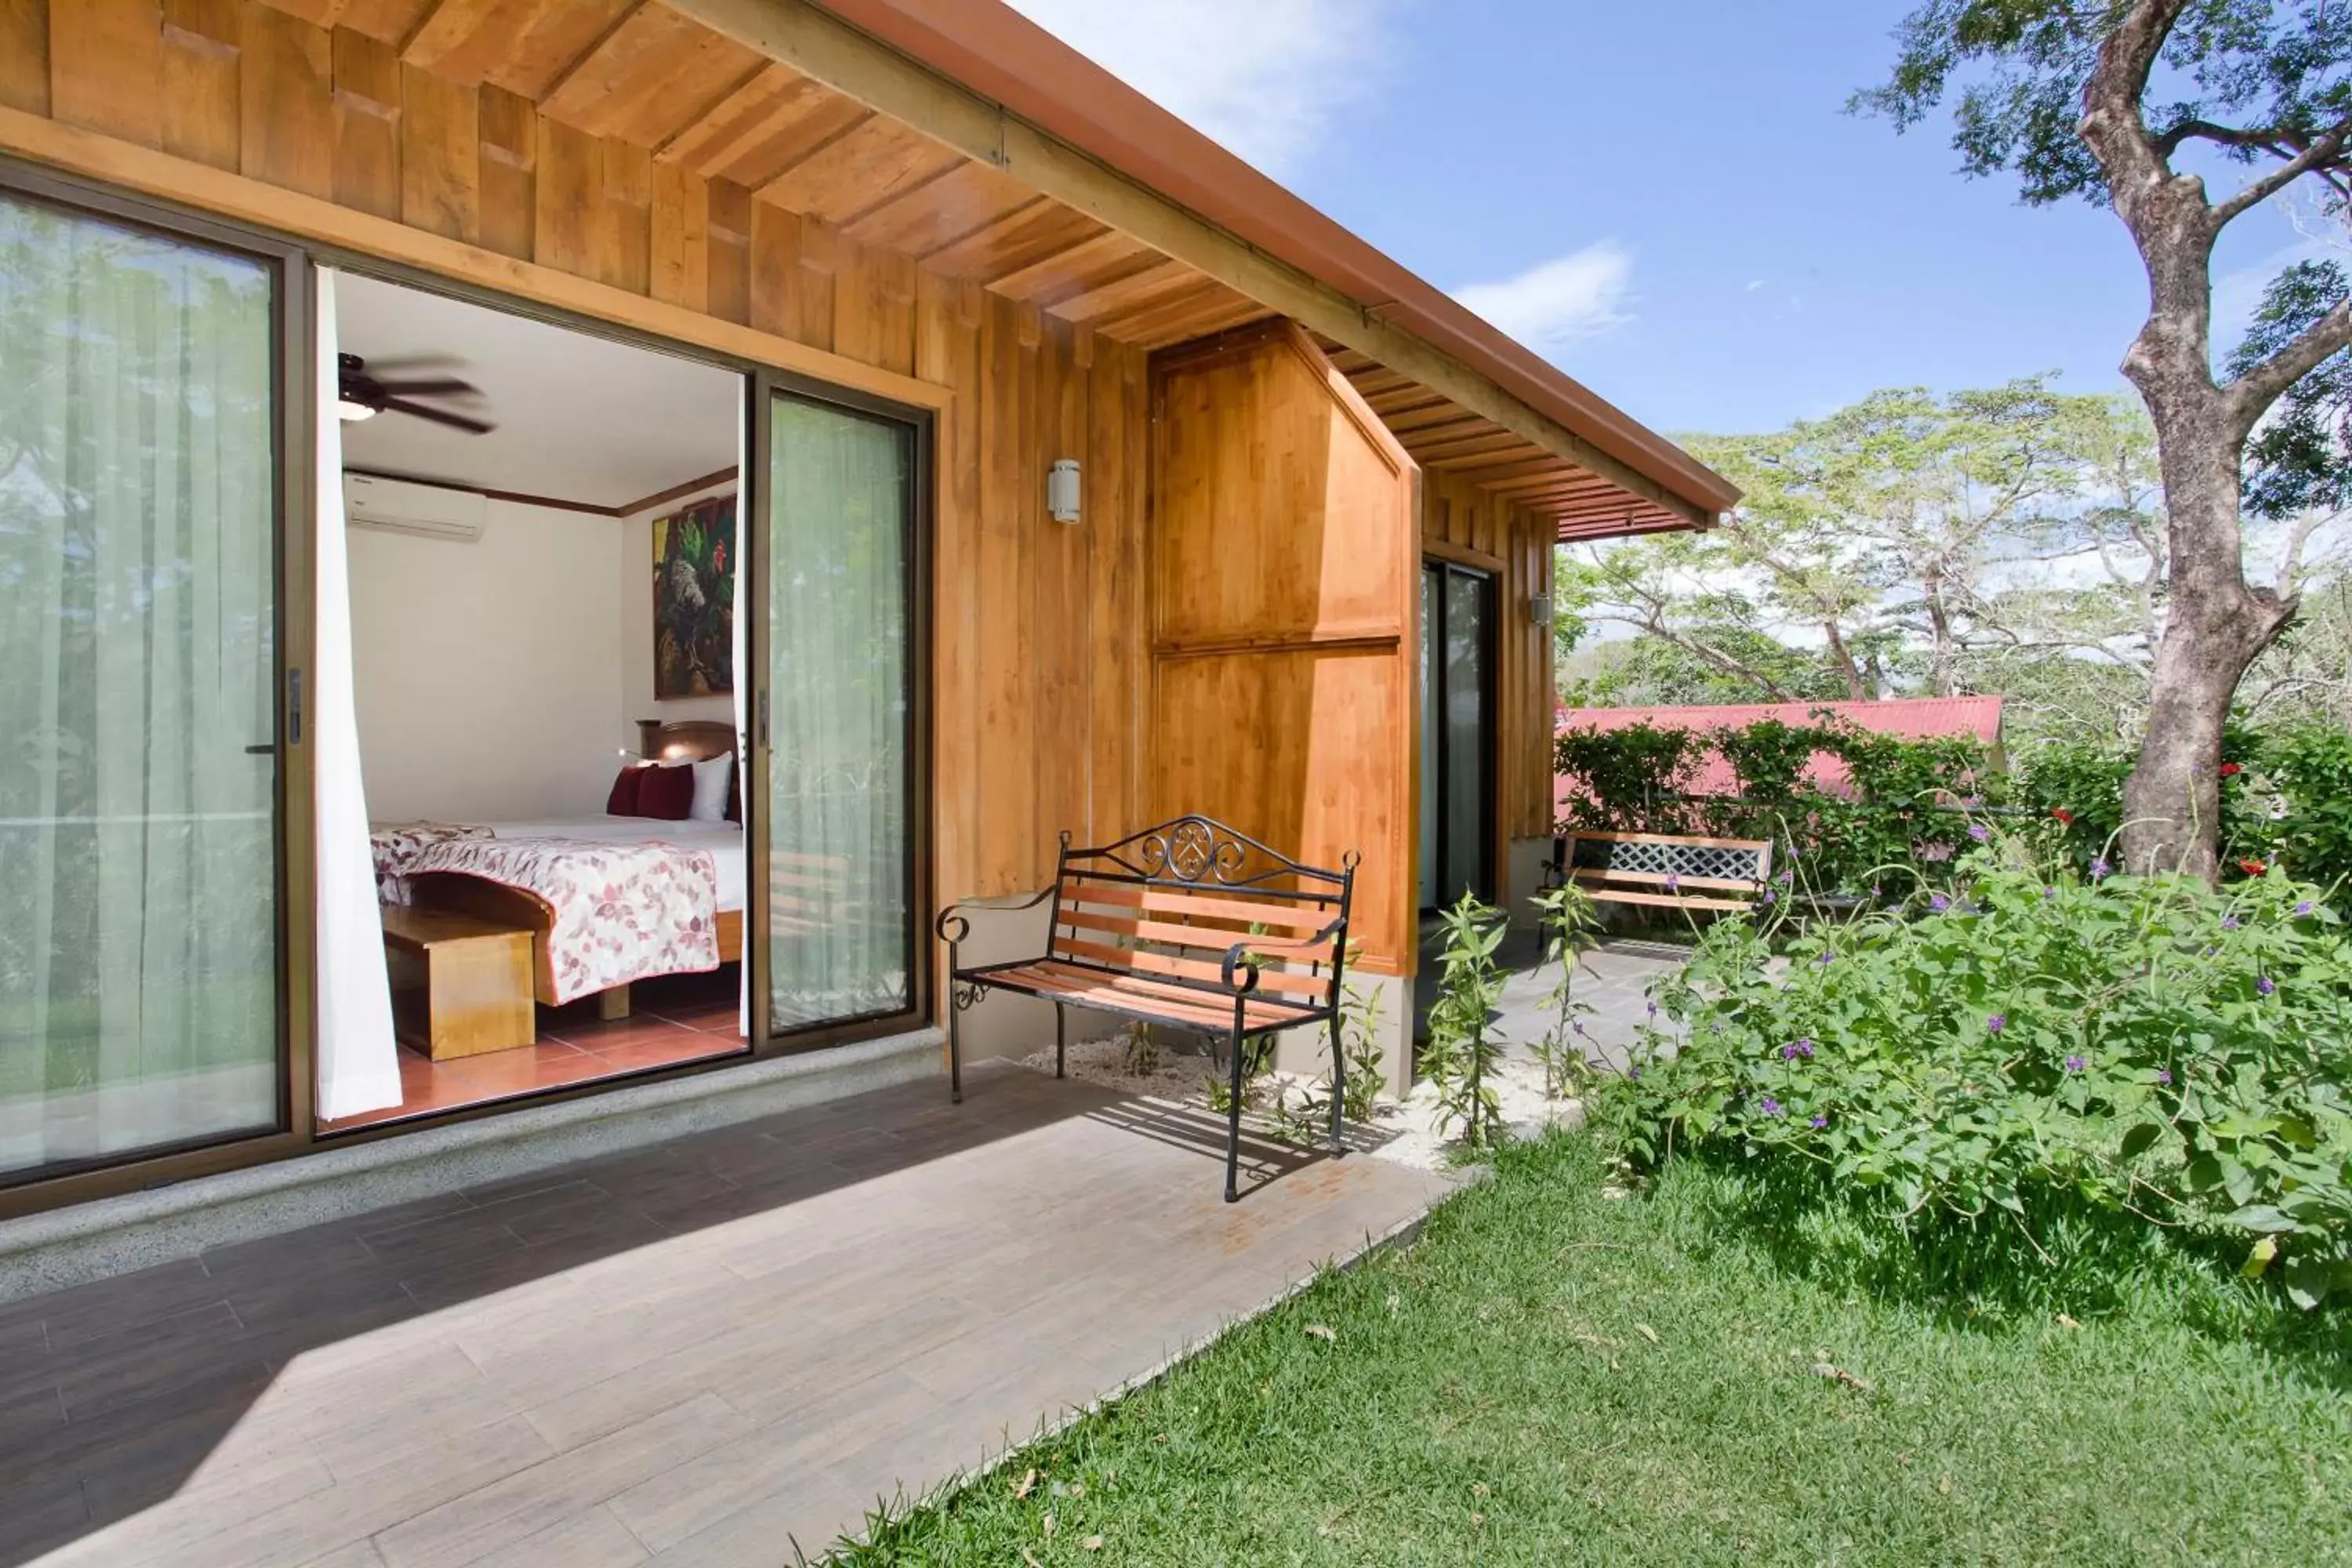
<point>1062,490</point>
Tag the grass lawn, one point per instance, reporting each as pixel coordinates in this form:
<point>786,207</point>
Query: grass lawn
<point>1555,1378</point>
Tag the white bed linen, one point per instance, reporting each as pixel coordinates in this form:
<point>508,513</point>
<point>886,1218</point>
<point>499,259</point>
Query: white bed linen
<point>723,839</point>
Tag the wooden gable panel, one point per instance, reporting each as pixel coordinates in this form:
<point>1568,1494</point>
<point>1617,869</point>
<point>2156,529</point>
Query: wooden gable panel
<point>385,21</point>
<point>25,56</point>
<point>523,46</point>
<point>873,161</point>
<point>204,44</point>
<point>764,126</point>
<point>1213,309</point>
<point>1108,257</point>
<point>105,68</point>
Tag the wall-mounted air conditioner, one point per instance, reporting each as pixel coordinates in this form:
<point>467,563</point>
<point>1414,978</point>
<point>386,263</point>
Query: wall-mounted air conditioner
<point>402,506</point>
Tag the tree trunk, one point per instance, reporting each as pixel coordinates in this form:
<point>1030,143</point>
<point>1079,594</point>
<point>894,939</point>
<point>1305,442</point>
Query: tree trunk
<point>1855,690</point>
<point>2214,628</point>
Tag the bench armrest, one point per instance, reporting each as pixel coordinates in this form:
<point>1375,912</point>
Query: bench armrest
<point>952,927</point>
<point>1237,957</point>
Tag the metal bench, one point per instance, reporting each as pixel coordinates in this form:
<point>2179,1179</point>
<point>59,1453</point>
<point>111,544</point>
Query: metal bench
<point>1665,869</point>
<point>1191,925</point>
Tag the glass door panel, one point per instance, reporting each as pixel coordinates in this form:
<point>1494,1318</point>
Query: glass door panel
<point>839,707</point>
<point>1456,745</point>
<point>139,859</point>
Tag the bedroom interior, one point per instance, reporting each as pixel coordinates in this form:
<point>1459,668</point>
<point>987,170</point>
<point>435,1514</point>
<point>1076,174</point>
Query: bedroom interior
<point>541,541</point>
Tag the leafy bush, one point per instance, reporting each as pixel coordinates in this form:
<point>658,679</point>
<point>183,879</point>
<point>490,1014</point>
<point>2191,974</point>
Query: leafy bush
<point>2079,790</point>
<point>2041,1066</point>
<point>2310,768</point>
<point>1464,1052</point>
<point>1627,780</point>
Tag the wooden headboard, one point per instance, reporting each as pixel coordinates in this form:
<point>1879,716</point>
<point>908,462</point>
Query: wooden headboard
<point>683,740</point>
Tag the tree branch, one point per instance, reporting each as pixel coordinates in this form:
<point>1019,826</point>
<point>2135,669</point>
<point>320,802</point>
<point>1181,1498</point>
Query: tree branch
<point>2322,151</point>
<point>2113,125</point>
<point>2249,397</point>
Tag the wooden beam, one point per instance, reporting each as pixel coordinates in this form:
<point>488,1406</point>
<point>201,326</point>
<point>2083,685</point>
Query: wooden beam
<point>821,45</point>
<point>273,207</point>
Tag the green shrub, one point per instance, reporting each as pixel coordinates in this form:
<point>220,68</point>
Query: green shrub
<point>1464,1053</point>
<point>2310,768</point>
<point>2039,1067</point>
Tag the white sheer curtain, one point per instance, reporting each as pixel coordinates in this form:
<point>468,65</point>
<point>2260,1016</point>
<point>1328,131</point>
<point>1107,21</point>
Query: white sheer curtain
<point>358,1065</point>
<point>138,852</point>
<point>837,644</point>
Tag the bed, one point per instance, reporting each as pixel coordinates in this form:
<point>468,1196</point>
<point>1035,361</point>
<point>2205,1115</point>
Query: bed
<point>682,741</point>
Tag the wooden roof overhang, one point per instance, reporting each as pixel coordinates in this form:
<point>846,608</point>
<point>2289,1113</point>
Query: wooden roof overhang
<point>783,103</point>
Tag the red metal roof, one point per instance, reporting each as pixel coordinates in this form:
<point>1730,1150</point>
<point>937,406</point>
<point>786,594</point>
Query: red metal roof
<point>1908,718</point>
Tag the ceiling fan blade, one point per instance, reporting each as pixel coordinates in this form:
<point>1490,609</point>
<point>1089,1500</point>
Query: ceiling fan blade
<point>407,364</point>
<point>432,387</point>
<point>438,415</point>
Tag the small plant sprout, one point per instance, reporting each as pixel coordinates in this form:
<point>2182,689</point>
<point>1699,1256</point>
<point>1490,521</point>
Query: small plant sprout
<point>1464,1052</point>
<point>1567,918</point>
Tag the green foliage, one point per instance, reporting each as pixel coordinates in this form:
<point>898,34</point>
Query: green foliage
<point>2041,1070</point>
<point>2279,71</point>
<point>1901,813</point>
<point>2310,767</point>
<point>1308,1118</point>
<point>1569,919</point>
<point>2300,458</point>
<point>1462,1052</point>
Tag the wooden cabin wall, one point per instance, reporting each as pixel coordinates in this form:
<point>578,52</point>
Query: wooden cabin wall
<point>1038,656</point>
<point>1463,523</point>
<point>1284,579</point>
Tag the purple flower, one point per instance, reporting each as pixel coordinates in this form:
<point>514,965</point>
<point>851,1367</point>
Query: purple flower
<point>1997,1023</point>
<point>2266,985</point>
<point>1796,1048</point>
<point>1633,1073</point>
<point>2049,892</point>
<point>1673,883</point>
<point>1939,903</point>
<point>2164,1075</point>
<point>1768,1106</point>
<point>2100,869</point>
<point>1786,878</point>
<point>1654,1009</point>
<point>1820,1121</point>
<point>1826,957</point>
<point>2075,1064</point>
<point>2230,923</point>
<point>1980,831</point>
<point>1769,897</point>
<point>2303,908</point>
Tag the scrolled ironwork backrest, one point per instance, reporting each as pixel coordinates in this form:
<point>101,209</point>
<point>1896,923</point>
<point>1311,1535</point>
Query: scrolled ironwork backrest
<point>1649,858</point>
<point>1202,854</point>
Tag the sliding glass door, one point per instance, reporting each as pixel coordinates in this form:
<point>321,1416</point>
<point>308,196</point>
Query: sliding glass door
<point>139,652</point>
<point>836,662</point>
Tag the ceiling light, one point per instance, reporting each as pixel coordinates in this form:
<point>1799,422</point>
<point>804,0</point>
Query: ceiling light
<point>353,413</point>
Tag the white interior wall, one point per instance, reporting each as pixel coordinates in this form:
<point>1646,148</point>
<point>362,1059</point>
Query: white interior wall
<point>636,631</point>
<point>485,672</point>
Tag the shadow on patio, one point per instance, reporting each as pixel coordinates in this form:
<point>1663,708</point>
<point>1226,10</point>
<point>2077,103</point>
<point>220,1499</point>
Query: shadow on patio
<point>685,1354</point>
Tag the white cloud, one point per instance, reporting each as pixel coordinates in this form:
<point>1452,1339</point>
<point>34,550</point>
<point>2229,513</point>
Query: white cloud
<point>1754,284</point>
<point>1561,302</point>
<point>1265,77</point>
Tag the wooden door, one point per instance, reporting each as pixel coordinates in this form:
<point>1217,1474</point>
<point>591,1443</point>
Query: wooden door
<point>1284,578</point>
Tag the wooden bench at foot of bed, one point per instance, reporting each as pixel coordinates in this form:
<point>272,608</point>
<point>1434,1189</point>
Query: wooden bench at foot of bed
<point>511,907</point>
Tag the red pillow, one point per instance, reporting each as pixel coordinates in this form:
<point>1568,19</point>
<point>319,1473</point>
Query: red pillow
<point>623,801</point>
<point>666,793</point>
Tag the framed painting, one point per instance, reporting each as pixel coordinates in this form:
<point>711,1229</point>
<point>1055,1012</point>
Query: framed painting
<point>694,600</point>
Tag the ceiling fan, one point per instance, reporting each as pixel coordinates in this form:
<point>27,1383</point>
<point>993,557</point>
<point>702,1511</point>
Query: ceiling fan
<point>363,396</point>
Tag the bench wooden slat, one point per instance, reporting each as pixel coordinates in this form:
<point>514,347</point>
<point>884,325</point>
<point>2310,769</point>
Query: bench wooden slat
<point>1143,959</point>
<point>1205,937</point>
<point>1303,919</point>
<point>1734,884</point>
<point>1136,996</point>
<point>1697,843</point>
<point>1667,900</point>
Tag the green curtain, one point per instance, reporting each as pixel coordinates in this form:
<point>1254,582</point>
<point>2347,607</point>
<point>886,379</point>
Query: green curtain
<point>840,486</point>
<point>138,912</point>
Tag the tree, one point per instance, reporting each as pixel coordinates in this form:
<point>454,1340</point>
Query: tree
<point>2104,100</point>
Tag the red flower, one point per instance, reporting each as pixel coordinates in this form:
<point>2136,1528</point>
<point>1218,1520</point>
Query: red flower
<point>2063,815</point>
<point>2230,770</point>
<point>2253,868</point>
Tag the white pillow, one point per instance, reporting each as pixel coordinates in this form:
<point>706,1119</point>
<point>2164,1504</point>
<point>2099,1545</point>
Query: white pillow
<point>710,789</point>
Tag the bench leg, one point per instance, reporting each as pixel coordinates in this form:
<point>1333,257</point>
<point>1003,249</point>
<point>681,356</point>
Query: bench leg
<point>956,1004</point>
<point>1234,1114</point>
<point>1338,1087</point>
<point>1061,1037</point>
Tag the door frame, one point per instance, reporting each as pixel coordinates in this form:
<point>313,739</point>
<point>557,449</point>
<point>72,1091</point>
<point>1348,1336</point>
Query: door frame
<point>763,387</point>
<point>1489,578</point>
<point>294,602</point>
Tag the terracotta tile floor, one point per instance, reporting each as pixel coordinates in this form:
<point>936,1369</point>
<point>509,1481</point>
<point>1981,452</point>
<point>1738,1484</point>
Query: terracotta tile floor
<point>677,1018</point>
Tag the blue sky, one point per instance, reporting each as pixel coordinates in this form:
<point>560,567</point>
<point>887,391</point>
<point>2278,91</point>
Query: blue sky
<point>1668,199</point>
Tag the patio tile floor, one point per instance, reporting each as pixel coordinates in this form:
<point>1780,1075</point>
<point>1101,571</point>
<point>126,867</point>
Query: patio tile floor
<point>690,1354</point>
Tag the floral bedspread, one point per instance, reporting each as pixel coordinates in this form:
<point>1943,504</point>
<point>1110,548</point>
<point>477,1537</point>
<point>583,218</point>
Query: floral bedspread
<point>623,912</point>
<point>394,847</point>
